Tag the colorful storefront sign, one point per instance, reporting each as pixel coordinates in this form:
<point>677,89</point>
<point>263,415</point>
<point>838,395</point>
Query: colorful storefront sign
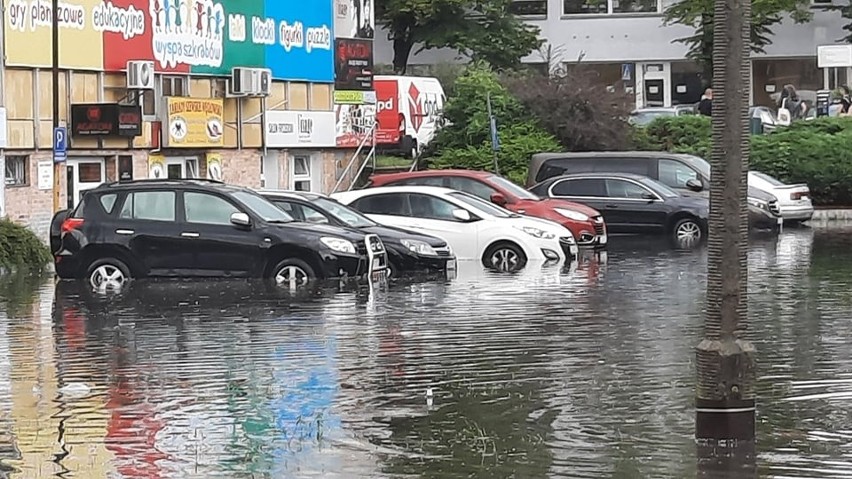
<point>194,123</point>
<point>300,129</point>
<point>156,166</point>
<point>353,64</point>
<point>106,119</point>
<point>214,166</point>
<point>293,39</point>
<point>354,19</point>
<point>354,97</point>
<point>354,125</point>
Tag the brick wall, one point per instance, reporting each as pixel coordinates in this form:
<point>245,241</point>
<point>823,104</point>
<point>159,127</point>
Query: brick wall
<point>240,167</point>
<point>29,205</point>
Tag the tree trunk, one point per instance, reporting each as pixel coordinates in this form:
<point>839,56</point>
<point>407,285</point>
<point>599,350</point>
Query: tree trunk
<point>725,402</point>
<point>402,45</point>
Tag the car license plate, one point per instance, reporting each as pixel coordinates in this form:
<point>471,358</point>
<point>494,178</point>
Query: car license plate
<point>602,239</point>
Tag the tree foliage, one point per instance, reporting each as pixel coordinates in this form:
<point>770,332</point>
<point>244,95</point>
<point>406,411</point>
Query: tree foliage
<point>580,112</point>
<point>699,15</point>
<point>480,29</point>
<point>465,141</point>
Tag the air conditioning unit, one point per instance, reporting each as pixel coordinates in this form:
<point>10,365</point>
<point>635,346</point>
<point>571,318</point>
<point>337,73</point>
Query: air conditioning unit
<point>265,82</point>
<point>250,81</point>
<point>140,75</point>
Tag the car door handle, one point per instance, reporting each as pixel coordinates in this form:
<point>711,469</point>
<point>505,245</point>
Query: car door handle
<point>190,235</point>
<point>611,206</point>
<point>124,232</point>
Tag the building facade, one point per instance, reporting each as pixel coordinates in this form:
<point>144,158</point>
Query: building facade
<point>223,89</point>
<point>628,45</point>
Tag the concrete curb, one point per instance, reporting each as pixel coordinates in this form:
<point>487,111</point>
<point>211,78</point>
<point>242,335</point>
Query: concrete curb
<point>832,215</point>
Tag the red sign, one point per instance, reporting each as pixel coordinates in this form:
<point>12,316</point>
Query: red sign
<point>134,42</point>
<point>388,116</point>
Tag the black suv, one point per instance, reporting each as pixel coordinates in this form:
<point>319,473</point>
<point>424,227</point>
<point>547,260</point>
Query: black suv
<point>201,228</point>
<point>407,250</point>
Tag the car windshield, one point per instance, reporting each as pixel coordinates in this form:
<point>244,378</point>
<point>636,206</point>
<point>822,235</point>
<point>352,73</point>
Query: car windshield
<point>344,213</point>
<point>513,188</point>
<point>659,188</point>
<point>262,207</point>
<point>763,176</point>
<point>481,204</point>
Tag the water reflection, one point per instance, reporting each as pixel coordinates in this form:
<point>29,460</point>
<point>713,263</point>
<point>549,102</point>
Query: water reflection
<point>584,371</point>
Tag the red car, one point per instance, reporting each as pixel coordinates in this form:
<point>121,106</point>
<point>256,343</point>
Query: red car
<point>586,223</point>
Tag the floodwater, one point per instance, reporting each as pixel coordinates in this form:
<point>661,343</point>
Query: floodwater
<point>581,373</point>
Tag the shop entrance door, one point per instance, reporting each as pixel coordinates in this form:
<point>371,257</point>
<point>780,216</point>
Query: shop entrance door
<point>83,174</point>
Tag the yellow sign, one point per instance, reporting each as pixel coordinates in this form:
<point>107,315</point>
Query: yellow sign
<point>214,166</point>
<point>194,123</point>
<point>27,32</point>
<point>349,97</point>
<point>157,167</point>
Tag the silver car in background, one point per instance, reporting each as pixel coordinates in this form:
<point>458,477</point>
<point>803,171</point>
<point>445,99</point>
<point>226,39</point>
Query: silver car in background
<point>794,201</point>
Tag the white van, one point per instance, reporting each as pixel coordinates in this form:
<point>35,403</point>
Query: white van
<point>408,112</point>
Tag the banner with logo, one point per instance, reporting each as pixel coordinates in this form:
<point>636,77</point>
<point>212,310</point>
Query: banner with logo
<point>300,129</point>
<point>106,119</point>
<point>194,123</point>
<point>353,125</point>
<point>354,30</point>
<point>353,65</point>
<point>156,166</point>
<point>291,38</point>
<point>214,166</point>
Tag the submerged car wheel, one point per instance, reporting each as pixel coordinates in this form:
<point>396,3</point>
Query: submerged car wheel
<point>108,274</point>
<point>293,272</point>
<point>506,257</point>
<point>687,231</point>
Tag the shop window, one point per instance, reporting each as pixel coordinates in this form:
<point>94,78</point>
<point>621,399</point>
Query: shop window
<point>16,170</point>
<point>608,7</point>
<point>182,168</point>
<point>529,7</point>
<point>770,76</point>
<point>90,172</point>
<point>171,85</point>
<point>301,168</point>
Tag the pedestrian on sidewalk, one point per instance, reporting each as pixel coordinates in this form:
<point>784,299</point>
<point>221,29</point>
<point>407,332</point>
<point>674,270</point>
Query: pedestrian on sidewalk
<point>705,106</point>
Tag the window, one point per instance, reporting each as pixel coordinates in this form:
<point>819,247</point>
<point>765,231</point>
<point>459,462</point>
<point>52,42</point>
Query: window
<point>425,206</point>
<point>174,85</point>
<point>512,188</point>
<point>528,7</point>
<point>607,7</point>
<point>262,207</point>
<point>474,187</point>
<point>207,209</point>
<point>636,166</point>
<point>146,99</point>
<point>90,172</point>
<point>108,202</point>
<point>344,213</point>
<point>301,168</point>
<point>482,205</point>
<point>302,212</point>
<point>585,187</point>
<point>675,174</point>
<point>625,189</point>
<point>393,204</point>
<point>149,205</point>
<point>16,170</point>
<point>422,181</point>
<point>180,168</point>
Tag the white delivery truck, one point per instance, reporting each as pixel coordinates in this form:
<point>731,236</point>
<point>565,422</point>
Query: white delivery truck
<point>408,112</point>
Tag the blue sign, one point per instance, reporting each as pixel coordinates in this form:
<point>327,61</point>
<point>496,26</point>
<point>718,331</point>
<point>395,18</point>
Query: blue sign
<point>627,71</point>
<point>303,48</point>
<point>60,144</point>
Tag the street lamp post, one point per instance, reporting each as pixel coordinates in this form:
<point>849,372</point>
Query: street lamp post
<point>725,396</point>
<point>57,166</point>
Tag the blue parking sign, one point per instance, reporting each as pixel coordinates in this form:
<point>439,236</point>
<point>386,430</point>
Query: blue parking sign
<point>60,144</point>
<point>627,71</point>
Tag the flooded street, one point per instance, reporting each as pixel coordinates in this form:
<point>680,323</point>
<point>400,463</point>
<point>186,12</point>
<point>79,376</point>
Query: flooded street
<point>581,373</point>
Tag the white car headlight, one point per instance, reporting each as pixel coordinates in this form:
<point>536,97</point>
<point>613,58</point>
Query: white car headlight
<point>572,215</point>
<point>538,233</point>
<point>419,247</point>
<point>338,244</point>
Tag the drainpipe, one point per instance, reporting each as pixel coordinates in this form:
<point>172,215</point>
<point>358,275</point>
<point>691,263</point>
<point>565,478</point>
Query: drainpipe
<point>3,106</point>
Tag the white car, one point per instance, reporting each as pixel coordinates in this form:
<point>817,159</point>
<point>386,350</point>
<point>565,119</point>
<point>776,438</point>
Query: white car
<point>794,201</point>
<point>474,228</point>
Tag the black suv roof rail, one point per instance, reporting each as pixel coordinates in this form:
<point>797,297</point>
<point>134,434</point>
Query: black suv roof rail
<point>163,181</point>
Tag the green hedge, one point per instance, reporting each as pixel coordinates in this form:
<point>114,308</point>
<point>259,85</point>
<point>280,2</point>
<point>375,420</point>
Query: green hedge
<point>817,152</point>
<point>21,248</point>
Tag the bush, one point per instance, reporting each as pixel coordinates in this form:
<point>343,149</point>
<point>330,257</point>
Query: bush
<point>21,248</point>
<point>465,142</point>
<point>818,152</point>
<point>575,108</point>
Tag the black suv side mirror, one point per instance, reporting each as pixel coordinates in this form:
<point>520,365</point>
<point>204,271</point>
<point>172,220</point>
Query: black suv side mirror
<point>695,185</point>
